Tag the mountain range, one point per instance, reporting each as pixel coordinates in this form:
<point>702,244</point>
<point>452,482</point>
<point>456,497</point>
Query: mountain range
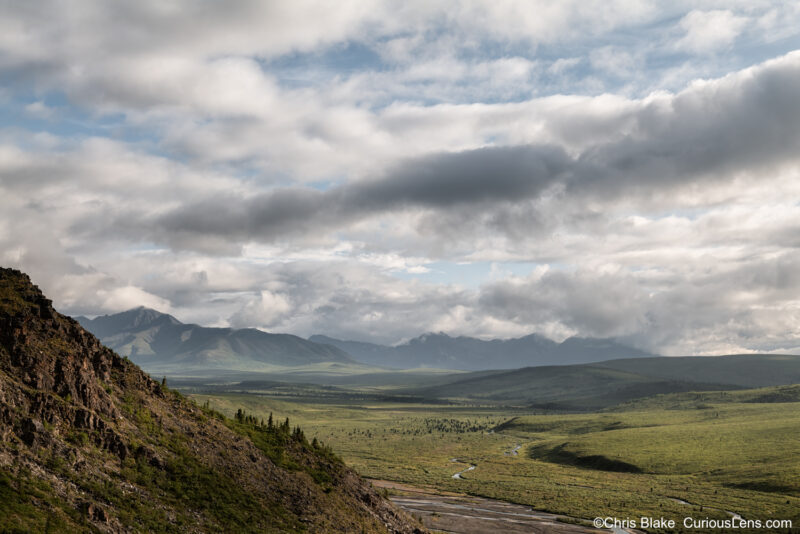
<point>471,354</point>
<point>158,341</point>
<point>90,443</point>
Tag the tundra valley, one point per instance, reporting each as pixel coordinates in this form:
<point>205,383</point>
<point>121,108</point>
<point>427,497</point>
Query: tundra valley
<point>400,267</point>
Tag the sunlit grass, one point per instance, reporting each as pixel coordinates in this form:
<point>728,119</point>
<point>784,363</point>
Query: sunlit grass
<point>719,456</point>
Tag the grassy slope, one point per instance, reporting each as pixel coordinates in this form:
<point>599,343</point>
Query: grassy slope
<point>89,443</point>
<point>578,387</point>
<point>184,489</point>
<point>746,370</point>
<point>598,386</point>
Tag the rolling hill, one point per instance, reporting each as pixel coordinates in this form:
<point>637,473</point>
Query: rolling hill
<point>743,370</point>
<point>471,354</point>
<point>90,443</point>
<point>159,342</point>
<point>604,384</point>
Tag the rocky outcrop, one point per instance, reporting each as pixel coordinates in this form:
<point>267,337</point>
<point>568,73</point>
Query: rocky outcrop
<point>88,442</point>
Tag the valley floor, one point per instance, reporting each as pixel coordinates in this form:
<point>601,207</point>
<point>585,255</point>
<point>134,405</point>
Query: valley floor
<point>718,455</point>
<point>466,514</point>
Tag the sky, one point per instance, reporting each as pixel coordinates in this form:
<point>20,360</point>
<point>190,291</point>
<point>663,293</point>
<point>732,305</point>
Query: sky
<point>377,170</point>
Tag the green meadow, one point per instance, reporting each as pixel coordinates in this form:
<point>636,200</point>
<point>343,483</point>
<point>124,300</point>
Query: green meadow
<point>709,454</point>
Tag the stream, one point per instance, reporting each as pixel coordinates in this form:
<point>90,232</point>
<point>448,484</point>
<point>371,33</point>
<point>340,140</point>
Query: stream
<point>470,468</point>
<point>466,514</point>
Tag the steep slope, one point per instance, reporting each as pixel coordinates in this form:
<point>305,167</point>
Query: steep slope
<point>89,443</point>
<point>604,384</point>
<point>158,341</point>
<point>471,354</point>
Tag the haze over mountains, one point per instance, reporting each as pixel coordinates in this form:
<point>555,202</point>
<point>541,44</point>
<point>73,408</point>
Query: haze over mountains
<point>471,354</point>
<point>159,341</point>
<point>576,374</point>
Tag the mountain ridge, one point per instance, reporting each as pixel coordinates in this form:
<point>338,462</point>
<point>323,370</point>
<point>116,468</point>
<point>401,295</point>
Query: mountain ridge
<point>157,340</point>
<point>440,350</point>
<point>89,442</point>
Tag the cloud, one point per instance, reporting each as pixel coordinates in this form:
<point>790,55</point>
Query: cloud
<point>437,182</point>
<point>719,310</point>
<point>249,164</point>
<point>667,149</point>
<point>39,110</point>
<point>709,31</point>
<point>714,129</point>
<point>594,303</point>
<point>87,51</point>
<point>614,61</point>
<point>265,311</point>
<point>124,298</point>
<point>346,299</point>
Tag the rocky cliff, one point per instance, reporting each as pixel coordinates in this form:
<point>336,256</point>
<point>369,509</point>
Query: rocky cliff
<point>88,442</point>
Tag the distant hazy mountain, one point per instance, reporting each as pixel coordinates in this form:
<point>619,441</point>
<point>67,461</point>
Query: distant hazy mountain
<point>466,353</point>
<point>156,340</point>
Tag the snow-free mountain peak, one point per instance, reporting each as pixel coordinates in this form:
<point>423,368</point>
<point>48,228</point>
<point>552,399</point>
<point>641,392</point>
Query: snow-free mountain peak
<point>160,343</point>
<point>439,350</point>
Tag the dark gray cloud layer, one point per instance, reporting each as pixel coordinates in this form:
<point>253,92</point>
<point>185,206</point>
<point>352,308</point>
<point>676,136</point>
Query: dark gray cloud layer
<point>749,121</point>
<point>745,124</point>
<point>448,181</point>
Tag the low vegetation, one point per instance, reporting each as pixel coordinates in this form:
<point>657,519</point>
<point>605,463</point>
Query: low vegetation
<point>90,443</point>
<point>706,454</point>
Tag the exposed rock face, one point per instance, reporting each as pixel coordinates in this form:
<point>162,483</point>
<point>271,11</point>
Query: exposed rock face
<point>90,442</point>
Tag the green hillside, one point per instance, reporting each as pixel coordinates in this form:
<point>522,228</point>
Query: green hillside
<point>745,370</point>
<point>601,385</point>
<point>90,443</point>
